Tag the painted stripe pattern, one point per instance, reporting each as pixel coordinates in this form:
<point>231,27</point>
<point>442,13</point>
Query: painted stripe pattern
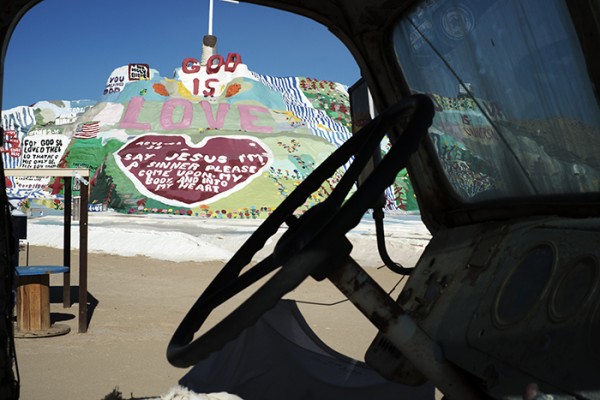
<point>87,130</point>
<point>316,120</point>
<point>16,193</point>
<point>16,122</point>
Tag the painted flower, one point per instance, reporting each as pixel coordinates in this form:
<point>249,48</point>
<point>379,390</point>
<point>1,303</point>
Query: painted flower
<point>160,89</point>
<point>233,89</point>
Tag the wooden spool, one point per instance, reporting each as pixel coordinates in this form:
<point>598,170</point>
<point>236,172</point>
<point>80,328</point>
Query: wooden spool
<point>33,302</point>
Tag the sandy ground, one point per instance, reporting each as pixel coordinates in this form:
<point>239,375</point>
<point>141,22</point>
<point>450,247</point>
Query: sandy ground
<point>135,305</point>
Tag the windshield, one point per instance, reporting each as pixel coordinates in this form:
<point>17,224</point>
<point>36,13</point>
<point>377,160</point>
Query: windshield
<point>516,114</point>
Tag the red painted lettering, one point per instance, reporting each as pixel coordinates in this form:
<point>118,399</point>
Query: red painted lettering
<point>196,86</point>
<point>190,66</point>
<point>233,60</point>
<point>210,90</point>
<point>211,67</point>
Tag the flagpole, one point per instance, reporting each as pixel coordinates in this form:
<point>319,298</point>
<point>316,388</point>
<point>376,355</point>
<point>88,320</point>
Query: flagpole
<point>210,13</point>
<point>209,42</point>
<point>210,17</point>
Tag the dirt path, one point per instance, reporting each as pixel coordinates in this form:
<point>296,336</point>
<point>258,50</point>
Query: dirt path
<point>136,304</point>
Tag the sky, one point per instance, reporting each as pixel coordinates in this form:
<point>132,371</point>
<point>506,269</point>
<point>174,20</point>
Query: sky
<point>66,49</point>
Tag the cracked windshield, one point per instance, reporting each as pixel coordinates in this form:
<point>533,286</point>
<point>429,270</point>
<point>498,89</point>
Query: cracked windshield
<point>516,114</point>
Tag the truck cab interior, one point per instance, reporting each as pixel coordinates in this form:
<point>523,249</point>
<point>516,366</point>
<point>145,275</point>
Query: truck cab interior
<point>494,109</point>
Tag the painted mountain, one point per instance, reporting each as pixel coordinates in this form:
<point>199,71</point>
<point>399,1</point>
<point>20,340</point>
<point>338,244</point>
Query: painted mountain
<point>215,140</point>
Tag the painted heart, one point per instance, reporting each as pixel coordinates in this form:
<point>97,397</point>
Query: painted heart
<point>173,170</point>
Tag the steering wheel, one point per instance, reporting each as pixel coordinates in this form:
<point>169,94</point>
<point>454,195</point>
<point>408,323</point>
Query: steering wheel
<point>313,242</point>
